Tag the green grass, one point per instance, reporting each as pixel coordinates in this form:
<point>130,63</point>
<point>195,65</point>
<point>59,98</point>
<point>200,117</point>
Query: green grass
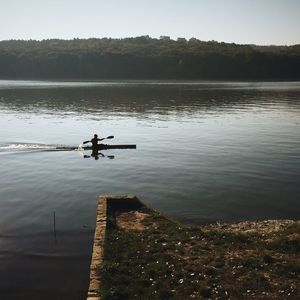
<point>170,261</point>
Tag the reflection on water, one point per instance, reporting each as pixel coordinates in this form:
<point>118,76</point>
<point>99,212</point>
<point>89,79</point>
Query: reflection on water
<point>206,152</point>
<point>147,100</point>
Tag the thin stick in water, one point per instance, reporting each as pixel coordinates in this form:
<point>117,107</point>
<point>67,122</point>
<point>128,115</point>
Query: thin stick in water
<point>54,228</point>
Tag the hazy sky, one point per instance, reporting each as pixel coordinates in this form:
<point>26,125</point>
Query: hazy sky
<point>239,21</point>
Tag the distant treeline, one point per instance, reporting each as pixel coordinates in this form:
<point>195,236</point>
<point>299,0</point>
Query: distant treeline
<point>146,58</point>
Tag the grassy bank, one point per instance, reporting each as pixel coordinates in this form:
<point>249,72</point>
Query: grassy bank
<point>148,256</point>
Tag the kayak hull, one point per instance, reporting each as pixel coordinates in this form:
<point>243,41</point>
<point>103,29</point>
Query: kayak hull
<point>104,147</point>
<point>99,147</point>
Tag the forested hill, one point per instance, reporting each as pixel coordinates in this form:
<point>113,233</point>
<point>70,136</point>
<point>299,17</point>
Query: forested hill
<point>146,58</point>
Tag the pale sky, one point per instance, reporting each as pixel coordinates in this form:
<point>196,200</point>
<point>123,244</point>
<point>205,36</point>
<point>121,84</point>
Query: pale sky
<point>260,22</point>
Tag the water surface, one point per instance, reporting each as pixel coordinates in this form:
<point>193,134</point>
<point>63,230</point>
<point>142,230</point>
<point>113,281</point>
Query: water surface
<point>206,151</point>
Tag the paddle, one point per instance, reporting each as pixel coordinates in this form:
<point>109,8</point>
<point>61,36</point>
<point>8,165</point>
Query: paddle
<point>109,137</point>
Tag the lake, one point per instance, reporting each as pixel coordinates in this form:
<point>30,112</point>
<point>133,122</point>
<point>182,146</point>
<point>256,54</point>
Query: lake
<point>206,152</point>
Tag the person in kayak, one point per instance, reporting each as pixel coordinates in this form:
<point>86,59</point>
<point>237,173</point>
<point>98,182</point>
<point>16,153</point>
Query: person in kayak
<point>95,146</point>
<point>95,141</point>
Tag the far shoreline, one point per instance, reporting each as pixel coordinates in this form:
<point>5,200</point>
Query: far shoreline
<point>150,80</point>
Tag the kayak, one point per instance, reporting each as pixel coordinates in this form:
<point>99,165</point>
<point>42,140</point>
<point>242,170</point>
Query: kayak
<point>99,147</point>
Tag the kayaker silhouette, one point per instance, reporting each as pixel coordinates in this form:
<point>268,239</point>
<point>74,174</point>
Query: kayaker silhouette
<point>95,141</point>
<point>95,148</point>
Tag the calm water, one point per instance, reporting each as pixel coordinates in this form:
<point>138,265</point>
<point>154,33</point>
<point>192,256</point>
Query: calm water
<point>205,152</point>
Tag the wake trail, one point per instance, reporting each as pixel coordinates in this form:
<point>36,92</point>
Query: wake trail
<point>7,148</point>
